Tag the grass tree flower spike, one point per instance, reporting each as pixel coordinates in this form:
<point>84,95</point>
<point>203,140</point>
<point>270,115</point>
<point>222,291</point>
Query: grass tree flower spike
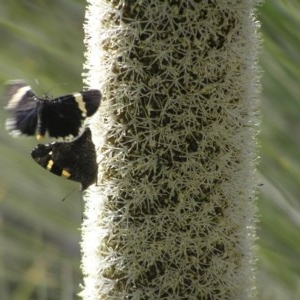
<point>173,215</point>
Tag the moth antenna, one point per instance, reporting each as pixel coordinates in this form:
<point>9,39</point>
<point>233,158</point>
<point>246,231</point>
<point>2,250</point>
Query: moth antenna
<point>81,200</point>
<point>64,198</point>
<point>55,86</point>
<point>42,90</point>
<point>39,85</point>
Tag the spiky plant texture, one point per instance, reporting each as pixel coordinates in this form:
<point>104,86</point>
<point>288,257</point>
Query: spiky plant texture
<point>173,216</point>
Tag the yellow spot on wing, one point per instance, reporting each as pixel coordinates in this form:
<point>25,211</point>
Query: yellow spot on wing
<point>50,165</point>
<point>65,173</point>
<point>39,137</point>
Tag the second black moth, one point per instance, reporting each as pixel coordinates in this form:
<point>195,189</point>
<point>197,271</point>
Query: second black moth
<point>61,117</point>
<point>75,160</point>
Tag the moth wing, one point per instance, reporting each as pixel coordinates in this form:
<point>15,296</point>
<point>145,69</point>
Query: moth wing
<point>22,104</point>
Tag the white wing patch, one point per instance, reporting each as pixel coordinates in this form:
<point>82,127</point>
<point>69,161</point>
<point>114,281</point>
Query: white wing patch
<point>81,103</point>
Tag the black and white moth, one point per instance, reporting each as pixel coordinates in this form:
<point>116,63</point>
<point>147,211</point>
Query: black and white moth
<point>75,160</point>
<point>61,117</point>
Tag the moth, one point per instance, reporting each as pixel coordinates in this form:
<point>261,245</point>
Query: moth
<point>75,160</point>
<point>62,117</point>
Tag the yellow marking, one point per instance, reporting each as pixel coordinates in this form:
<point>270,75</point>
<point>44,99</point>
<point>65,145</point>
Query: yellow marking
<point>39,137</point>
<point>65,173</point>
<point>81,103</point>
<point>50,165</point>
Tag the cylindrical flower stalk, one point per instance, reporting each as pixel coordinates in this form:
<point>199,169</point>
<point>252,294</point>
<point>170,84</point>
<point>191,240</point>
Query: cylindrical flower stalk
<point>173,215</point>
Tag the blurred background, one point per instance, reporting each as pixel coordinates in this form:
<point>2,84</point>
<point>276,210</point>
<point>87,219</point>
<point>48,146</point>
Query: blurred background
<point>39,233</point>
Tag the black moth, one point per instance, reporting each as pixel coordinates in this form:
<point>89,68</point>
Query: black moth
<point>75,160</point>
<point>60,117</point>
